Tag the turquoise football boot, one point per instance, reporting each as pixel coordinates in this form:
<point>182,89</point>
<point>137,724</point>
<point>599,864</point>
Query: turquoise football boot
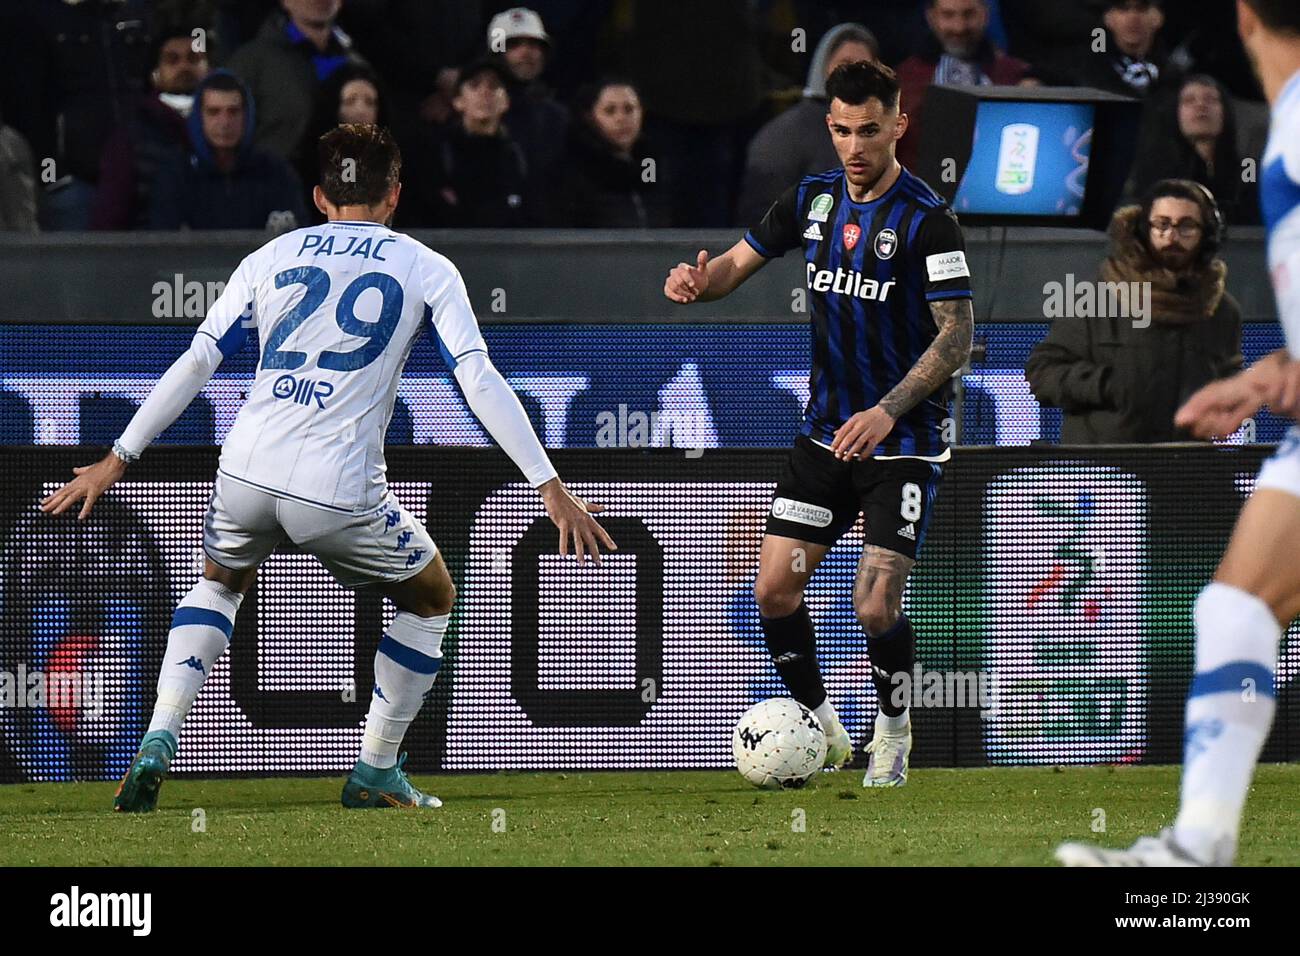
<point>371,787</point>
<point>138,791</point>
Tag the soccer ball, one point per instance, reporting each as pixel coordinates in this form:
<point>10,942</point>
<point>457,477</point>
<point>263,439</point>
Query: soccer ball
<point>779,743</point>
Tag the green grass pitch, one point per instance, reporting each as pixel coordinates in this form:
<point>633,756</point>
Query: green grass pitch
<point>987,817</point>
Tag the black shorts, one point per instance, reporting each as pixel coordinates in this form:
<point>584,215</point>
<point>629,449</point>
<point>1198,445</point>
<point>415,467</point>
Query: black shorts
<point>819,497</point>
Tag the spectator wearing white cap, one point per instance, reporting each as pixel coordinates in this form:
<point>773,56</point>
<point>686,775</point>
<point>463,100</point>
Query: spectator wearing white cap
<point>536,120</point>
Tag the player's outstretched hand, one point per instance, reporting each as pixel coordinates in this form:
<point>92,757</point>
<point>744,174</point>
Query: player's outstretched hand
<point>687,282</point>
<point>573,517</point>
<point>1219,408</point>
<point>862,433</point>
<point>91,482</point>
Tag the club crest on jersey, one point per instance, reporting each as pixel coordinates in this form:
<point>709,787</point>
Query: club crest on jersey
<point>886,243</point>
<point>852,234</point>
<point>820,209</point>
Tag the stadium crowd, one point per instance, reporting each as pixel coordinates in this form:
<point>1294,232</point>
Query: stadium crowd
<point>203,114</point>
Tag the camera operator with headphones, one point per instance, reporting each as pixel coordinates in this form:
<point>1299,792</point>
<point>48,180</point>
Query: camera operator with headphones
<point>1121,379</point>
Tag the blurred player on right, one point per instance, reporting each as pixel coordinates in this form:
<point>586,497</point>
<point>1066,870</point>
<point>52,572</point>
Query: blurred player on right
<point>1242,614</point>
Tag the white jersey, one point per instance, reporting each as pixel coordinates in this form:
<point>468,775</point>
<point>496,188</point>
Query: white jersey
<point>1280,200</point>
<point>337,308</point>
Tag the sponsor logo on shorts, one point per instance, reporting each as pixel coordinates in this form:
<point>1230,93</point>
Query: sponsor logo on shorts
<point>908,531</point>
<point>800,512</point>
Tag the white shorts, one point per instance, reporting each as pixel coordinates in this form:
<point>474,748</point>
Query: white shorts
<point>383,545</point>
<point>1282,470</point>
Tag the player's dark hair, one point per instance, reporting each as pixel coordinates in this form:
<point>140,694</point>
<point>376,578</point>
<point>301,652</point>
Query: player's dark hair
<point>1211,217</point>
<point>1280,16</point>
<point>359,164</point>
<point>855,83</point>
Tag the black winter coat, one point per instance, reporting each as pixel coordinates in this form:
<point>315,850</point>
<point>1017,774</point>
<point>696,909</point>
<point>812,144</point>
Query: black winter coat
<point>1119,384</point>
<point>602,190</point>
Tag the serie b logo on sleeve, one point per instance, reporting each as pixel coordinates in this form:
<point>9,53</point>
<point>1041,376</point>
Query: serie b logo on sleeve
<point>852,234</point>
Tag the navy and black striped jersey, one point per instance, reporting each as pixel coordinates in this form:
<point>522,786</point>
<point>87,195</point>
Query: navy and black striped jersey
<point>872,268</point>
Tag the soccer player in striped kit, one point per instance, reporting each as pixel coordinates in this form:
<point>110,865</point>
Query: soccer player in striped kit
<point>1255,595</point>
<point>892,322</point>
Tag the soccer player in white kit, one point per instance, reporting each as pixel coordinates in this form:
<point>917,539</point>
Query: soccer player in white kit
<point>1242,615</point>
<point>337,309</point>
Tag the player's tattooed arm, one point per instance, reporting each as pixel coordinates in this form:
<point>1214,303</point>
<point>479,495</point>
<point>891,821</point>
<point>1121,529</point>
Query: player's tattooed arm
<point>949,351</point>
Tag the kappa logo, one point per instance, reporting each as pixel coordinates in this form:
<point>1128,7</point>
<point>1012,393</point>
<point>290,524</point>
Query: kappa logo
<point>193,662</point>
<point>813,232</point>
<point>820,209</point>
<point>852,234</point>
<point>1197,737</point>
<point>886,244</point>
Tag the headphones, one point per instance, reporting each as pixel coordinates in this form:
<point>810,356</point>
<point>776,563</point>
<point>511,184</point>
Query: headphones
<point>1215,226</point>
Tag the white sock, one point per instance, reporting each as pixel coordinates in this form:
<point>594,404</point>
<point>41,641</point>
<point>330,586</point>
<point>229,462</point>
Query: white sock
<point>888,724</point>
<point>405,667</point>
<point>830,720</point>
<point>1229,712</point>
<point>200,633</point>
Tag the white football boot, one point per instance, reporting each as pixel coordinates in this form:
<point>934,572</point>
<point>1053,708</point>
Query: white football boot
<point>889,750</point>
<point>839,750</point>
<point>1159,850</point>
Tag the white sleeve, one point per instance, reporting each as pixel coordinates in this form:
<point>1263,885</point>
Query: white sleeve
<point>492,401</point>
<point>495,404</point>
<point>222,333</point>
